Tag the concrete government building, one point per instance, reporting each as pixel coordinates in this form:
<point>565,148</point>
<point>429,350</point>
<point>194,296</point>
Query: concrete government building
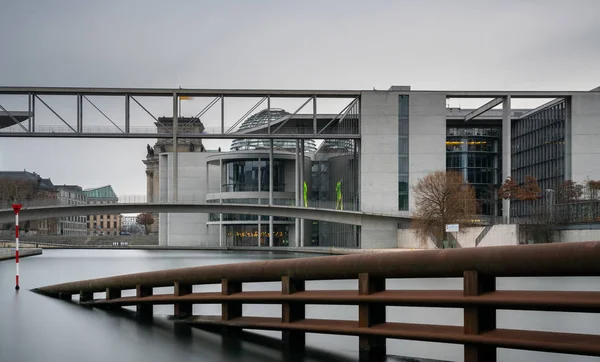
<point>400,136</point>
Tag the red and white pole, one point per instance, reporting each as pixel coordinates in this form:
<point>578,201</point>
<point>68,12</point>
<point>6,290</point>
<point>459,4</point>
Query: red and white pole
<point>17,208</point>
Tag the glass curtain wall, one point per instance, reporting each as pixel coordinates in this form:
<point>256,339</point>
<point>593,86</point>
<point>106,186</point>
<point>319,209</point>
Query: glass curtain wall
<point>538,149</point>
<point>403,153</point>
<point>243,175</point>
<point>475,152</point>
<point>334,185</point>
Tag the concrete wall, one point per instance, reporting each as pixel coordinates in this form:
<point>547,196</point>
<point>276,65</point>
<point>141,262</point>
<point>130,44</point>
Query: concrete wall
<point>578,235</point>
<point>427,138</point>
<point>585,137</point>
<point>187,229</point>
<point>498,235</point>
<point>379,164</point>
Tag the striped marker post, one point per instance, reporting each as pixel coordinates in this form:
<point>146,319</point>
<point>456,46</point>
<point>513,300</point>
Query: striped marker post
<point>17,208</point>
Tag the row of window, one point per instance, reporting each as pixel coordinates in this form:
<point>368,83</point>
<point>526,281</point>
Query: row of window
<point>103,225</point>
<point>471,160</point>
<point>538,146</point>
<point>470,144</point>
<point>253,175</point>
<point>494,132</point>
<point>403,155</point>
<point>549,135</point>
<point>539,120</point>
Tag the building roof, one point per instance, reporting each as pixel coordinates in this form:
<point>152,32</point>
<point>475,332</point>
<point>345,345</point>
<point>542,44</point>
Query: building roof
<point>45,184</point>
<point>103,192</point>
<point>69,187</point>
<point>6,119</point>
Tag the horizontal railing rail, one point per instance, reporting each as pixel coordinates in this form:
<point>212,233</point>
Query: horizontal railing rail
<point>479,268</point>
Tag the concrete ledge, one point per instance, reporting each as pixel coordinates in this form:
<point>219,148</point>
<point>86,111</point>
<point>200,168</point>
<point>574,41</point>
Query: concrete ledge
<point>309,250</point>
<point>6,253</point>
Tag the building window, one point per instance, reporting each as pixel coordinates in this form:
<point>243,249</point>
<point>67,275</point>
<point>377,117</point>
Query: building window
<point>403,153</point>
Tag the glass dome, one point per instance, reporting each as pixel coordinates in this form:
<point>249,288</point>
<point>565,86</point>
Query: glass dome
<point>262,118</point>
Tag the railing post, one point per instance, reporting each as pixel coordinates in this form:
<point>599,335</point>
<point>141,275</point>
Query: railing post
<point>85,296</point>
<point>182,309</point>
<point>64,296</point>
<point>143,311</point>
<point>371,348</point>
<point>112,293</point>
<point>478,320</point>
<point>230,310</point>
<point>292,312</point>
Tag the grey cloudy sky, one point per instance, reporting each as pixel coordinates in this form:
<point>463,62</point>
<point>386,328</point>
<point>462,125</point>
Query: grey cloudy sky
<point>537,45</point>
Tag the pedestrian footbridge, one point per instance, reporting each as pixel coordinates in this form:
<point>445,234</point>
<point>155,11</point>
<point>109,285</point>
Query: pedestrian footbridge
<point>318,214</point>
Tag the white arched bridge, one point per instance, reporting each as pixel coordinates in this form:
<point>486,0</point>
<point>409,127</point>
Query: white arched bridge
<point>318,214</point>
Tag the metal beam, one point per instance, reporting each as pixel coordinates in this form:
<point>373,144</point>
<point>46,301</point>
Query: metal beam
<point>167,92</point>
<point>127,113</point>
<point>147,135</point>
<point>481,110</point>
<point>56,114</point>
<point>292,115</point>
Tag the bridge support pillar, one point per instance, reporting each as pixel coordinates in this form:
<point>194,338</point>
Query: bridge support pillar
<point>292,312</point>
<point>371,348</point>
<point>182,309</point>
<point>143,311</point>
<point>478,320</point>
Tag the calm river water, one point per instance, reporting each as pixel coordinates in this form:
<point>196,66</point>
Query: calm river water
<point>38,328</point>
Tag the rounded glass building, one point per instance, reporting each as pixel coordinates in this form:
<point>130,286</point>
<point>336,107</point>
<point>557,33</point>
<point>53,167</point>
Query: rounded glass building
<point>261,119</point>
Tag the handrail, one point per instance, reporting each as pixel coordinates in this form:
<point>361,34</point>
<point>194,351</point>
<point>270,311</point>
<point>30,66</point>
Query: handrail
<point>548,260</point>
<point>479,268</point>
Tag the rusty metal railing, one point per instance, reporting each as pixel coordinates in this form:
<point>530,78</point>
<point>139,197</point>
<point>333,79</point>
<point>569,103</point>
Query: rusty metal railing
<point>479,268</point>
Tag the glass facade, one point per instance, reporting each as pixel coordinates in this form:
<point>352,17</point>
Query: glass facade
<point>538,149</point>
<point>403,153</point>
<point>261,119</point>
<point>247,235</point>
<point>334,185</point>
<point>475,152</point>
<point>253,175</point>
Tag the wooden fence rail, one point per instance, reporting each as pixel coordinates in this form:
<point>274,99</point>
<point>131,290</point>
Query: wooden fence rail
<point>479,268</point>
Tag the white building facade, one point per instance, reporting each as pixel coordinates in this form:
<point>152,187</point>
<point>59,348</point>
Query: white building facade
<point>398,137</point>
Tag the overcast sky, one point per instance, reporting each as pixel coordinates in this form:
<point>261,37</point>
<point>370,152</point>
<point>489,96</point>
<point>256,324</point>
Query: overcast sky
<point>507,45</point>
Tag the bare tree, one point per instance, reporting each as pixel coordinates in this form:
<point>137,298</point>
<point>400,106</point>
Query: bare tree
<point>145,219</point>
<point>442,198</point>
<point>17,191</point>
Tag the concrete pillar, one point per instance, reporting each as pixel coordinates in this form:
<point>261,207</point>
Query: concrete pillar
<point>221,202</point>
<point>149,186</point>
<point>506,153</point>
<point>259,199</point>
<point>175,161</point>
<point>301,243</point>
<point>297,193</point>
<point>271,236</point>
<point>465,158</point>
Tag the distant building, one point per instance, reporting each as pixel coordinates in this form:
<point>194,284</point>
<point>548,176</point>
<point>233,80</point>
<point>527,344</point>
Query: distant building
<point>26,187</point>
<point>72,225</point>
<point>187,125</point>
<point>102,224</point>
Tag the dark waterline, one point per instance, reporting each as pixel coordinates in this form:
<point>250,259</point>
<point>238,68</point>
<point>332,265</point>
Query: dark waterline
<point>38,328</point>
